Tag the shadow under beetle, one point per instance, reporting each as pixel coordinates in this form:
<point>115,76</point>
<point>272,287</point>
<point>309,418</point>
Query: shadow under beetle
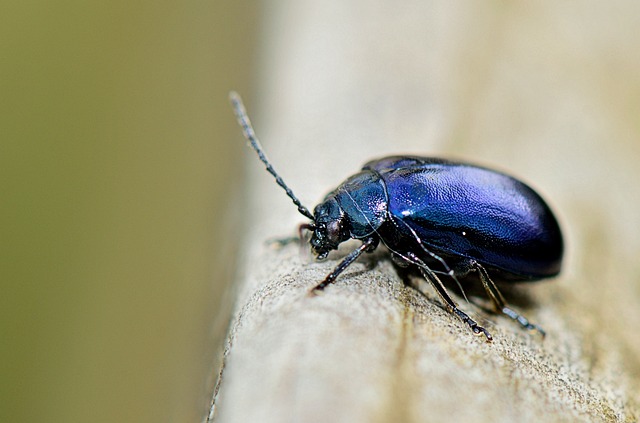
<point>433,212</point>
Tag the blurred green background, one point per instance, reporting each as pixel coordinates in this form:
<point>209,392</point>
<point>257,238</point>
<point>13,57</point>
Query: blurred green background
<point>118,169</point>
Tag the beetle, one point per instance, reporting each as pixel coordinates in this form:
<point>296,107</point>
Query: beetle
<point>433,213</point>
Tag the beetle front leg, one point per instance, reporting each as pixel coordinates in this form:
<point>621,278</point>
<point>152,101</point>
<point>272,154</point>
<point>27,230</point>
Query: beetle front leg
<point>367,246</point>
<point>500,303</point>
<point>284,241</point>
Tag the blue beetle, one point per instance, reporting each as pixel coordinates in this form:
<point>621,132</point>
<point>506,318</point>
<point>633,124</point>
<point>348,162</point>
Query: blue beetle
<point>433,213</point>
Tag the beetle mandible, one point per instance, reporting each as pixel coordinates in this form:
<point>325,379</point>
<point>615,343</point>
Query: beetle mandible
<point>464,218</point>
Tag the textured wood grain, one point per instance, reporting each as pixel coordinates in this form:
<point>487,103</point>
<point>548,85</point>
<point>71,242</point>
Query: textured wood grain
<point>545,92</point>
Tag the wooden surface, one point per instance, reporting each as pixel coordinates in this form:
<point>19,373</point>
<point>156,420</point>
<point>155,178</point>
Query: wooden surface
<point>548,93</point>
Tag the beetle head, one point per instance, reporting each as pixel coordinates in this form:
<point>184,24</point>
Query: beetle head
<point>330,228</point>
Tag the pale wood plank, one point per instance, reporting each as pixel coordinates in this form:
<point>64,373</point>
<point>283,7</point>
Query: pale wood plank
<point>527,89</point>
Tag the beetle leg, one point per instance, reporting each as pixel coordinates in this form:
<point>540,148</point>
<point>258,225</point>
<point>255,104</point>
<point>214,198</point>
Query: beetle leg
<point>283,242</point>
<point>437,284</point>
<point>500,303</point>
<point>367,245</point>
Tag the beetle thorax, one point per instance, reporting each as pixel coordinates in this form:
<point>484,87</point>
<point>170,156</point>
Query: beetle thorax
<point>331,227</point>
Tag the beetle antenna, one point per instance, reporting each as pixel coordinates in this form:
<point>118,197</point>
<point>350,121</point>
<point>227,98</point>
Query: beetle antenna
<point>250,135</point>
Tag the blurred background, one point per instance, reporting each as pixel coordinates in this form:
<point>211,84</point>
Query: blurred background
<point>122,185</point>
<point>119,169</point>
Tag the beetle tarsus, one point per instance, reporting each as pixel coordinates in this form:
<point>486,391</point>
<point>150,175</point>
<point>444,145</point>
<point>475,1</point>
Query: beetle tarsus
<point>475,328</point>
<point>321,286</point>
<point>480,330</point>
<point>500,303</point>
<point>523,321</point>
<point>314,292</point>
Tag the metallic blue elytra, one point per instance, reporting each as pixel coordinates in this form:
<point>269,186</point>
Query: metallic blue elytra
<point>469,213</point>
<point>442,217</point>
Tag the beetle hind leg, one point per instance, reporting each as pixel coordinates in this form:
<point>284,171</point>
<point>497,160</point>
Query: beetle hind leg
<point>437,284</point>
<point>500,303</point>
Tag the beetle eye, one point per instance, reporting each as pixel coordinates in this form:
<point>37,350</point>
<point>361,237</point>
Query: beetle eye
<point>333,231</point>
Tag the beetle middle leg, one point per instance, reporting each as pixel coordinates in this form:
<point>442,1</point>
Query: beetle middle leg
<point>437,284</point>
<point>500,303</point>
